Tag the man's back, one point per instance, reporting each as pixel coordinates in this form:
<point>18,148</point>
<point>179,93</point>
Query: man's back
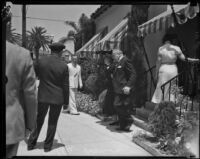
<point>51,72</point>
<point>20,93</point>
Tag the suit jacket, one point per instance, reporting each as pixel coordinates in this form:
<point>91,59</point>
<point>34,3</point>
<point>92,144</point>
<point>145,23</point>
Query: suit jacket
<point>21,97</point>
<point>74,76</point>
<point>123,75</point>
<point>54,80</point>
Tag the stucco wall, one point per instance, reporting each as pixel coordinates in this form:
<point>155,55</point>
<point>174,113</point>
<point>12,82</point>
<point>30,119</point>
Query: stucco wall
<point>152,42</point>
<point>112,17</point>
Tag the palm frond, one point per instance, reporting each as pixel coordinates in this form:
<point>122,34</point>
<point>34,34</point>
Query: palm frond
<point>73,25</point>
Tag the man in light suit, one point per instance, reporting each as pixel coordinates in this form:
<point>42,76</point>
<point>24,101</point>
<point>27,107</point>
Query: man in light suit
<point>75,82</point>
<point>21,97</point>
<point>124,76</point>
<point>53,92</point>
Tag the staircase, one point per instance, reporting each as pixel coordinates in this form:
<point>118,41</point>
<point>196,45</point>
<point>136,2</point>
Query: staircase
<point>142,115</point>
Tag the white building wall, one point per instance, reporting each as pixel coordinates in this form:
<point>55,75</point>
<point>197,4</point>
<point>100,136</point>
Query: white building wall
<point>111,17</point>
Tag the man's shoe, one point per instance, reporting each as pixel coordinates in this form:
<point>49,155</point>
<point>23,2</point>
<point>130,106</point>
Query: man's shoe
<point>47,149</point>
<point>74,113</point>
<point>124,129</point>
<point>65,111</point>
<point>114,123</point>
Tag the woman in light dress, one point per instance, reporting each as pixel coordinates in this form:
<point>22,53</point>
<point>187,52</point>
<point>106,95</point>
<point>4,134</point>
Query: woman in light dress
<point>166,67</point>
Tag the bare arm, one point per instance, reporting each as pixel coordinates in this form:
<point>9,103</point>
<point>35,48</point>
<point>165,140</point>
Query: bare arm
<point>80,79</point>
<point>182,57</point>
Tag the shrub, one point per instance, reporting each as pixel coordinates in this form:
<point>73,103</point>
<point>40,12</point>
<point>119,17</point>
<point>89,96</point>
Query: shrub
<point>93,75</point>
<point>162,120</point>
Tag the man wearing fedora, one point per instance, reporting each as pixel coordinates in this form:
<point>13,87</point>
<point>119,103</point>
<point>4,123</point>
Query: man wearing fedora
<point>53,92</point>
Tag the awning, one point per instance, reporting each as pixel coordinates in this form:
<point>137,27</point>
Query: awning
<point>165,19</point>
<point>113,38</point>
<point>89,47</point>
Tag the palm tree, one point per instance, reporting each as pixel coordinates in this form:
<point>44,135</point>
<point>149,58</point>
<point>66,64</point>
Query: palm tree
<point>12,36</point>
<point>70,36</point>
<point>38,38</point>
<point>83,31</point>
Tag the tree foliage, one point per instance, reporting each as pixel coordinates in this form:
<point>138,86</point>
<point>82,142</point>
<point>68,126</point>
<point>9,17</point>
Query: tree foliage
<point>133,48</point>
<point>12,36</point>
<point>38,38</point>
<point>83,31</point>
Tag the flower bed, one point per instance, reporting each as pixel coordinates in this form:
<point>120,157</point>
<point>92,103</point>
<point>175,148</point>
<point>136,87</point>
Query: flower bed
<point>172,135</point>
<point>87,105</point>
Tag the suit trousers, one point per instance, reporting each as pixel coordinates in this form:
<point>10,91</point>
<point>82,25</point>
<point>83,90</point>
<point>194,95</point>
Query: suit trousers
<point>11,150</point>
<point>54,113</point>
<point>72,100</point>
<point>123,110</point>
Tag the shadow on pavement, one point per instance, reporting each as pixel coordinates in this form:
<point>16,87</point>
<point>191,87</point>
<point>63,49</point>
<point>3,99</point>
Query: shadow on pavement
<point>40,145</point>
<point>109,127</point>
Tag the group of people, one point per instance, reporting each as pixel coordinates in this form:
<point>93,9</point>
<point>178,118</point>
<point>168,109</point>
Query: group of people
<point>27,106</point>
<point>121,79</point>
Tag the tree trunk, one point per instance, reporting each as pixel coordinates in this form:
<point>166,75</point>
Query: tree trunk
<point>37,54</point>
<point>83,38</point>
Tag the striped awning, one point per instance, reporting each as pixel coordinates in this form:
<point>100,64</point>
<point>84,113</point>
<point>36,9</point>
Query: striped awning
<point>166,20</point>
<point>113,38</point>
<point>90,45</point>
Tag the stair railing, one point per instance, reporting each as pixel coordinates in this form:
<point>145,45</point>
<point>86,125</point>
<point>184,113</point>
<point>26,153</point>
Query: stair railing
<point>175,81</point>
<point>152,81</point>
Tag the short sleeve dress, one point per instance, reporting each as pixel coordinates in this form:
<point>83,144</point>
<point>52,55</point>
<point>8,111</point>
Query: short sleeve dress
<point>168,69</point>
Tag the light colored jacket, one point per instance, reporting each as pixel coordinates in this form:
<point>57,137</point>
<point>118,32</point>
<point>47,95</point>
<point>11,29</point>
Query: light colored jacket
<point>74,76</point>
<point>21,97</point>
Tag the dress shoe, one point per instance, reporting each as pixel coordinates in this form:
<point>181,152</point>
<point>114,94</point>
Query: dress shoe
<point>66,111</point>
<point>124,129</point>
<point>74,113</point>
<point>30,148</point>
<point>114,123</point>
<point>47,149</point>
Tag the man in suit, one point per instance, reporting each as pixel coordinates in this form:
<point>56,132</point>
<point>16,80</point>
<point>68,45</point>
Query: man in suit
<point>21,97</point>
<point>75,82</point>
<point>53,92</point>
<point>124,76</point>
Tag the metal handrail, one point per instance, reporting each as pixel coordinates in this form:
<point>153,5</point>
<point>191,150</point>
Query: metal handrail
<point>150,71</point>
<point>185,95</point>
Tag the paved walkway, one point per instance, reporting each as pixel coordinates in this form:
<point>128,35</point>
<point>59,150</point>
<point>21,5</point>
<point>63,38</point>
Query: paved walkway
<point>84,135</point>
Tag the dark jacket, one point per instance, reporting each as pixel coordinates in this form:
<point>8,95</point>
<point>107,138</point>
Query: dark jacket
<point>54,80</point>
<point>123,75</point>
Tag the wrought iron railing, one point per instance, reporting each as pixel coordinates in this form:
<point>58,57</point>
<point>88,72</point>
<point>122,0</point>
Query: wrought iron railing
<point>152,81</point>
<point>171,90</point>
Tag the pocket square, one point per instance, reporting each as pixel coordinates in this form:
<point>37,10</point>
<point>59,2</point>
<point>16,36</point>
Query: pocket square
<point>119,66</point>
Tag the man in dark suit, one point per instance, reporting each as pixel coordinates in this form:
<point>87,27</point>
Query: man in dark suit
<point>124,76</point>
<point>53,92</point>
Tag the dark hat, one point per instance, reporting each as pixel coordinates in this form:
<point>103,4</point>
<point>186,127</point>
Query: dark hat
<point>57,47</point>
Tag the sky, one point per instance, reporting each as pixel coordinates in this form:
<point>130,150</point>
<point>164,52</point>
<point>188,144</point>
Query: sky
<point>57,29</point>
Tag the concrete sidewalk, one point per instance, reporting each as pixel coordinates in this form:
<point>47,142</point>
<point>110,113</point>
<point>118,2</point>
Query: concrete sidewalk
<point>84,135</point>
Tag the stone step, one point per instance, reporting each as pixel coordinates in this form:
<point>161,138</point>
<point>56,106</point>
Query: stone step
<point>138,121</point>
<point>143,113</point>
<point>150,105</point>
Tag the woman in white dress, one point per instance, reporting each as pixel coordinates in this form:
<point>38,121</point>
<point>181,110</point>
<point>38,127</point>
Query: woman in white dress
<point>166,67</point>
